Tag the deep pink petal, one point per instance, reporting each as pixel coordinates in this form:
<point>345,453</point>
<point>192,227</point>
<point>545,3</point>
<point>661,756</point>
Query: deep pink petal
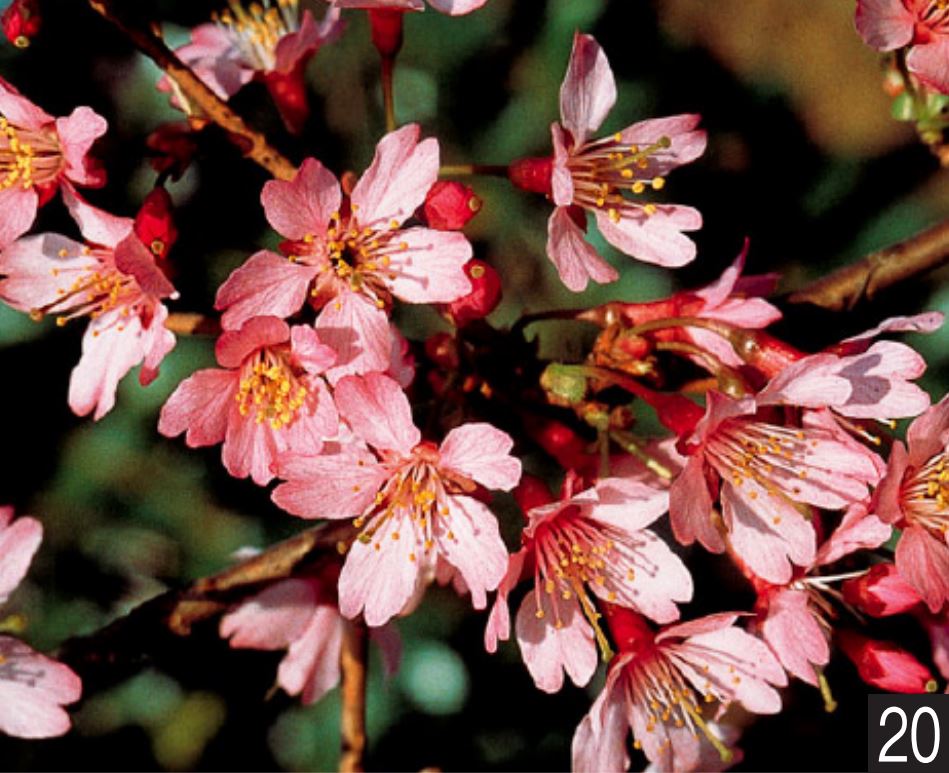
<point>430,268</point>
<point>930,62</point>
<point>588,90</point>
<point>858,530</point>
<point>308,351</point>
<point>888,497</point>
<point>549,650</point>
<point>378,411</point>
<point>359,333</point>
<point>575,259</point>
<point>267,284</point>
<point>929,434</point>
<point>136,260</point>
<point>923,561</point>
<point>250,448</point>
<point>234,346</point>
<point>200,405</point>
<point>561,180</point>
<point>305,204</point>
<point>483,453</point>
<point>885,24</point>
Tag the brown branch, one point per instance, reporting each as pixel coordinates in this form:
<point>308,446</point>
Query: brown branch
<point>127,644</point>
<point>352,665</point>
<point>188,323</point>
<point>844,288</point>
<point>216,109</point>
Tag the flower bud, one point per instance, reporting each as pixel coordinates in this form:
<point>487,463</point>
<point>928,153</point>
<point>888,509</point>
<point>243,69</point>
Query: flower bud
<point>532,492</point>
<point>21,22</point>
<point>881,592</point>
<point>450,205</point>
<point>532,174</point>
<point>154,223</point>
<point>288,92</point>
<point>173,145</point>
<point>562,443</point>
<point>885,665</point>
<point>484,297</point>
<point>630,631</point>
<point>386,29</point>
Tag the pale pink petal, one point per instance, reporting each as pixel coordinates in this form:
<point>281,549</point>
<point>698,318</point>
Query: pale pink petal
<point>215,59</point>
<point>336,486</point>
<point>315,421</point>
<point>767,531</point>
<point>456,7</point>
<point>930,62</point>
<point>499,618</point>
<point>599,744</point>
<point>379,576</point>
<point>575,259</point>
<point>707,624</point>
<point>18,110</point>
<point>398,179</point>
<point>690,508</point>
<point>293,48</point>
<point>885,24</point>
<point>686,142</point>
<point>303,205</point>
<point>267,284</point>
<point>429,266</point>
<point>200,405</point>
<point>157,342</point>
<point>308,351</point>
<point>311,666</point>
<point>655,238</point>
<point>588,90</point>
<point>561,180</point>
<point>96,225</point>
<point>627,504</point>
<point>359,333</point>
<point>469,539</point>
<point>408,5</point>
<point>31,707</point>
<point>37,275</point>
<point>483,453</point>
<point>858,530</point>
<point>401,360</point>
<point>810,382</point>
<point>879,383</point>
<point>234,346</point>
<point>794,634</point>
<point>549,650</point>
<point>378,411</point>
<point>926,322</point>
<point>19,206</point>
<point>249,449</point>
<point>888,497</point>
<point>273,618</point>
<point>389,642</point>
<point>929,434</point>
<point>18,543</point>
<point>923,561</point>
<point>77,133</point>
<point>716,293</point>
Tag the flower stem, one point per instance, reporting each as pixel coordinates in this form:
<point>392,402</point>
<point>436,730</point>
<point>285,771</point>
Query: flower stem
<point>388,92</point>
<point>352,665</point>
<point>465,170</point>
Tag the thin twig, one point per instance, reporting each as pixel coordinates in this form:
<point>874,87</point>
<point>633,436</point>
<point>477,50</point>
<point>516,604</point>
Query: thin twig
<point>193,87</point>
<point>842,289</point>
<point>352,666</point>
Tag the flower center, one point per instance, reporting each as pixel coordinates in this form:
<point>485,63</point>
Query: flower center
<point>927,495</point>
<point>257,29</point>
<point>606,169</point>
<point>27,158</point>
<point>270,389</point>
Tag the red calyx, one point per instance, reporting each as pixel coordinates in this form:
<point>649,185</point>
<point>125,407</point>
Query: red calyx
<point>881,592</point>
<point>532,492</point>
<point>484,297</point>
<point>765,353</point>
<point>630,631</point>
<point>21,22</point>
<point>450,205</point>
<point>532,174</point>
<point>288,92</point>
<point>386,29</point>
<point>154,223</point>
<point>885,665</point>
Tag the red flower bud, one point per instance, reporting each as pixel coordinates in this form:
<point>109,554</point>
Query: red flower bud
<point>881,592</point>
<point>386,28</point>
<point>532,174</point>
<point>484,297</point>
<point>885,665</point>
<point>173,145</point>
<point>21,22</point>
<point>532,492</point>
<point>288,92</point>
<point>450,205</point>
<point>154,223</point>
<point>563,444</point>
<point>442,350</point>
<point>630,631</point>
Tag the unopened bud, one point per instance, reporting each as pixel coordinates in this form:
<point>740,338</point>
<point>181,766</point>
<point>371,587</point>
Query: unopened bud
<point>562,443</point>
<point>154,223</point>
<point>484,297</point>
<point>21,22</point>
<point>532,174</point>
<point>450,205</point>
<point>532,492</point>
<point>885,665</point>
<point>386,29</point>
<point>881,592</point>
<point>288,92</point>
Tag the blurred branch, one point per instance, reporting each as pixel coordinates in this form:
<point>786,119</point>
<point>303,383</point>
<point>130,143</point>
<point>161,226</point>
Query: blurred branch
<point>844,288</point>
<point>189,324</point>
<point>352,665</point>
<point>127,644</point>
<point>214,107</point>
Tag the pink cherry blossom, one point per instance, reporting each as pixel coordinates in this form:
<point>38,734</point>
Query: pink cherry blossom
<point>112,278</point>
<point>37,154</point>
<point>272,42</point>
<point>33,688</point>
<point>594,543</point>
<point>914,496</point>
<point>413,502</point>
<point>451,7</point>
<point>923,25</point>
<point>267,397</point>
<point>596,175</point>
<point>762,472</point>
<point>658,686</point>
<point>351,265</point>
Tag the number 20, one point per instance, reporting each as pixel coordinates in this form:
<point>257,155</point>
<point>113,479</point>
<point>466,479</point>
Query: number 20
<point>884,757</point>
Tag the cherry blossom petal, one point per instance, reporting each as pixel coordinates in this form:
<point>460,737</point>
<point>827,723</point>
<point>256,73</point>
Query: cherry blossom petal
<point>96,225</point>
<point>626,504</point>
<point>273,618</point>
<point>655,238</point>
<point>929,434</point>
<point>40,269</point>
<point>19,206</point>
<point>249,448</point>
<point>588,90</point>
<point>311,666</point>
<point>483,453</point>
<point>305,204</point>
<point>858,530</point>
<point>200,404</point>
<point>599,744</point>
<point>235,346</point>
<point>32,708</point>
<point>930,62</point>
<point>923,561</point>
<point>690,508</point>
<point>794,634</point>
<point>499,619</point>
<point>266,284</point>
<point>686,142</point>
<point>136,260</point>
<point>550,650</point>
<point>561,181</point>
<point>19,541</point>
<point>885,24</point>
<point>396,182</point>
<point>456,7</point>
<point>359,333</point>
<point>707,624</point>
<point>77,133</point>
<point>308,351</point>
<point>18,110</point>
<point>575,259</point>
<point>378,411</point>
<point>431,267</point>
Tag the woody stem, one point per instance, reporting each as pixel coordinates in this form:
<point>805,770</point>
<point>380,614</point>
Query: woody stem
<point>352,665</point>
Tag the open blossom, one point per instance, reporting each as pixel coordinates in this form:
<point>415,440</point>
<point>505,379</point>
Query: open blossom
<point>451,7</point>
<point>267,397</point>
<point>414,503</point>
<point>914,496</point>
<point>271,41</point>
<point>921,24</point>
<point>762,473</point>
<point>33,688</point>
<point>350,262</point>
<point>113,280</point>
<point>592,544</point>
<point>37,154</point>
<point>661,683</point>
<point>605,176</point>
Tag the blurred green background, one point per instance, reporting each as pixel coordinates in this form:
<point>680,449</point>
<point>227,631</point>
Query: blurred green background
<point>803,158</point>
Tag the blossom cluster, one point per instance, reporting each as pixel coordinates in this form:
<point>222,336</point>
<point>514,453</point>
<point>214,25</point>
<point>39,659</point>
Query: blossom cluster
<point>784,462</point>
